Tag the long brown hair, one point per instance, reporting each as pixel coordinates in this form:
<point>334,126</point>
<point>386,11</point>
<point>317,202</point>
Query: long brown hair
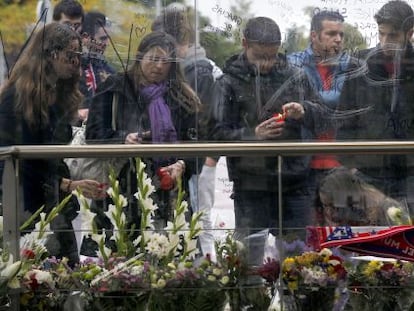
<point>31,77</point>
<point>178,89</point>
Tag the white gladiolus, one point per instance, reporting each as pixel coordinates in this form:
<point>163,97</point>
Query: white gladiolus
<point>11,270</point>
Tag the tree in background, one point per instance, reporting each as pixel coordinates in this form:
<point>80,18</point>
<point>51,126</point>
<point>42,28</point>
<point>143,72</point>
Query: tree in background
<point>295,39</point>
<point>222,41</point>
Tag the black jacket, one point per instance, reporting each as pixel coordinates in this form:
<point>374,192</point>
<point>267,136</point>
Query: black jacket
<point>242,100</point>
<point>41,178</point>
<point>376,107</point>
<point>132,116</point>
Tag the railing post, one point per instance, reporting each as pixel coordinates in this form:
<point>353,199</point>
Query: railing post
<point>11,207</point>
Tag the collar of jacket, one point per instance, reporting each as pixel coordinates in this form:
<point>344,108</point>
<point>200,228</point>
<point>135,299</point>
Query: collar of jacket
<point>307,57</point>
<point>238,65</point>
<point>376,63</point>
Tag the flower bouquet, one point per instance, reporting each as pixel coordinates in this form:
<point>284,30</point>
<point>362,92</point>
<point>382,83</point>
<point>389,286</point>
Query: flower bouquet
<point>379,285</point>
<point>312,279</point>
<point>158,270</point>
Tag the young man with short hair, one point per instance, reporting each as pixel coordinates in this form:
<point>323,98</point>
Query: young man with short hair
<point>326,66</point>
<point>256,85</point>
<point>69,12</point>
<point>379,104</point>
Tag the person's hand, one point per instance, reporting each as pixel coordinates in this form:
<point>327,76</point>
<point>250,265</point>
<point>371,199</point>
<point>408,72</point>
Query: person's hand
<point>293,110</point>
<point>135,138</point>
<point>269,129</point>
<point>91,189</point>
<point>132,138</point>
<point>175,170</point>
<point>83,114</point>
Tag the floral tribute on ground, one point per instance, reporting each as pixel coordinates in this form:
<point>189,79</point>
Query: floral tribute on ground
<point>138,267</point>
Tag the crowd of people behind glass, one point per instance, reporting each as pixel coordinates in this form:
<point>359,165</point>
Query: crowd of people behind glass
<point>172,92</point>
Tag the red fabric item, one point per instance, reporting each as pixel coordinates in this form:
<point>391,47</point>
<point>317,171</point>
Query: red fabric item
<point>393,242</point>
<point>325,73</point>
<point>324,161</point>
<point>389,67</point>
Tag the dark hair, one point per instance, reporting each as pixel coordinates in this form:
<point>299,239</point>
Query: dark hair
<point>70,8</point>
<point>176,24</point>
<point>262,30</point>
<point>92,21</point>
<point>157,39</point>
<point>325,15</point>
<point>398,14</point>
<point>178,88</point>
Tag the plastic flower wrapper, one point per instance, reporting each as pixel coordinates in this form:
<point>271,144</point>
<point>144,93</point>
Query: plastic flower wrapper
<point>397,213</point>
<point>246,287</point>
<point>381,285</point>
<point>312,279</point>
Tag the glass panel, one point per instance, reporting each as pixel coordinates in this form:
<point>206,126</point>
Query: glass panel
<point>228,72</point>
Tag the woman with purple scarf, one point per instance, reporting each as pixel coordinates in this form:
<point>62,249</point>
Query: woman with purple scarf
<point>154,104</point>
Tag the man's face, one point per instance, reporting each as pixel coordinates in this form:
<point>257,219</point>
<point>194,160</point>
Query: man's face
<point>329,41</point>
<point>263,56</point>
<point>101,38</point>
<point>392,40</point>
<point>75,23</point>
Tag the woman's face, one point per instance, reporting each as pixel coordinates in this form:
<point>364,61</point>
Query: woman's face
<point>66,63</point>
<point>155,65</point>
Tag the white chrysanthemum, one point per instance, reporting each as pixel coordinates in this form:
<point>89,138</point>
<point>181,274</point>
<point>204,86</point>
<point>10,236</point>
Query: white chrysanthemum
<point>157,245</point>
<point>326,252</point>
<point>42,277</point>
<point>136,270</point>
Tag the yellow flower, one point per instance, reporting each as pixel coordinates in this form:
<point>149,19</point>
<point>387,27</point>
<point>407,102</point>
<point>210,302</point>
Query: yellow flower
<point>372,267</point>
<point>293,285</point>
<point>288,264</point>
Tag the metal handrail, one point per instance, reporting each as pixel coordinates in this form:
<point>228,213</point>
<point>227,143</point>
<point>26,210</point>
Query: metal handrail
<point>208,149</point>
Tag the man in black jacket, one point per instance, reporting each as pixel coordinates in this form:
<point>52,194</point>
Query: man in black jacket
<point>256,85</point>
<point>381,102</point>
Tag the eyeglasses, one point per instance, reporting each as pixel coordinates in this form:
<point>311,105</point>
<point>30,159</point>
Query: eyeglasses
<point>162,60</point>
<point>73,55</point>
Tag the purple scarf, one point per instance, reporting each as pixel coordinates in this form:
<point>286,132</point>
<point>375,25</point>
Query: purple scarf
<point>162,128</point>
